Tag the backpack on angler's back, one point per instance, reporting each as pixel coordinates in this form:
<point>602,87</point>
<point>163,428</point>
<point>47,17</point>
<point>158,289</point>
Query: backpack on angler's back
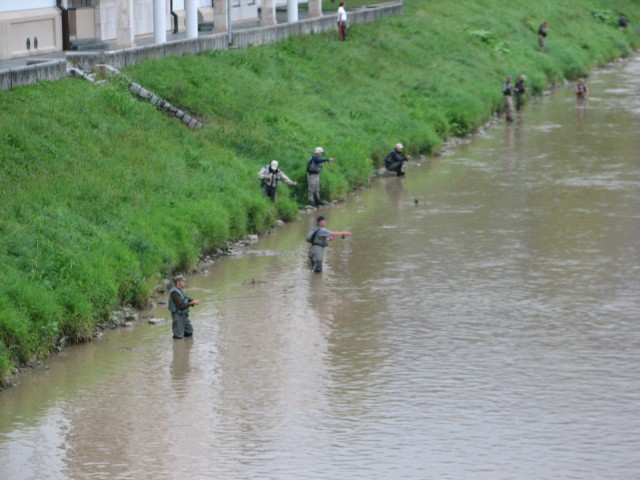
<point>311,236</point>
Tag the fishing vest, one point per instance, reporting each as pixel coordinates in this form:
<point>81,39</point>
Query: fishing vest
<point>275,177</point>
<point>173,308</point>
<point>314,239</point>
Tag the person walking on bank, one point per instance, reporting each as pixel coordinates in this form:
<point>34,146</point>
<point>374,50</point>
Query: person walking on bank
<point>507,90</point>
<point>270,176</point>
<point>314,167</point>
<point>179,304</point>
<point>395,160</point>
<point>582,91</point>
<point>342,22</point>
<point>542,36</point>
<point>520,90</point>
<point>319,238</point>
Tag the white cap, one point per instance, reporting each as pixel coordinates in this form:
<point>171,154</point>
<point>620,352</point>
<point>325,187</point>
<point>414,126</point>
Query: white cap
<point>319,150</point>
<point>399,146</point>
<point>274,165</point>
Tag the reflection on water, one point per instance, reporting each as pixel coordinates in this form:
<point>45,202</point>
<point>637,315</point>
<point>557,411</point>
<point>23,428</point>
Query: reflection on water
<point>480,323</point>
<point>180,366</point>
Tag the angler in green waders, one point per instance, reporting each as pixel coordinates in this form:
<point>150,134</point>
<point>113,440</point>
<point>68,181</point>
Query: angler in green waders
<point>179,304</point>
<point>319,238</point>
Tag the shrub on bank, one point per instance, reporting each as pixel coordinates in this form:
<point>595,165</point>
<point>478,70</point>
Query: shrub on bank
<point>102,194</point>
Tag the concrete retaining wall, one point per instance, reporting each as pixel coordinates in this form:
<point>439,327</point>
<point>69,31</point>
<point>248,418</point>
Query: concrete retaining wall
<point>131,56</point>
<point>241,38</point>
<point>30,74</point>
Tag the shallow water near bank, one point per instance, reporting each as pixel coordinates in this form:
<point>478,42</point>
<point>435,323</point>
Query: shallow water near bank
<point>481,322</point>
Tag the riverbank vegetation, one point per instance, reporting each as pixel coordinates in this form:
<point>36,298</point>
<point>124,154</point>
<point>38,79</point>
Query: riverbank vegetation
<point>102,195</point>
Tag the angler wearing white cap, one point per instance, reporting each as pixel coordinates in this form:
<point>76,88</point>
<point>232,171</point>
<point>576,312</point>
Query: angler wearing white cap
<point>395,160</point>
<point>270,176</point>
<point>314,167</point>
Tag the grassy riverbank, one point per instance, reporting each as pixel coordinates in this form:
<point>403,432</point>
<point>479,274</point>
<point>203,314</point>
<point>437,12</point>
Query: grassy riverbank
<point>102,195</point>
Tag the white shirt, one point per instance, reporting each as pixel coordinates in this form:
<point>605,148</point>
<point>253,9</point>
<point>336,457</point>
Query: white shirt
<point>342,14</point>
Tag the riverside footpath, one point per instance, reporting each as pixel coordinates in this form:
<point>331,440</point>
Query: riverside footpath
<point>29,70</point>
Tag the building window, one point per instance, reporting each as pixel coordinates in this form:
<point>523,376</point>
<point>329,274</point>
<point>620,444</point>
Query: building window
<point>235,3</point>
<point>78,3</point>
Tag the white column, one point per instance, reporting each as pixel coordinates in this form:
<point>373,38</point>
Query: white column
<point>268,13</point>
<point>292,11</point>
<point>125,36</point>
<point>159,22</point>
<point>191,11</point>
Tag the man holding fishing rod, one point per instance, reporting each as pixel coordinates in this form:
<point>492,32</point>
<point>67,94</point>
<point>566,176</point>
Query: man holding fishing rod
<point>319,238</point>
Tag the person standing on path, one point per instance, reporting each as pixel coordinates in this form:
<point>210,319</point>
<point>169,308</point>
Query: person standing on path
<point>319,238</point>
<point>342,22</point>
<point>395,160</point>
<point>270,176</point>
<point>179,304</point>
<point>314,167</point>
<point>507,90</point>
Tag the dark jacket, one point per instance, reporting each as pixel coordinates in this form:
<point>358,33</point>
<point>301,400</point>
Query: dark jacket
<point>315,164</point>
<point>394,157</point>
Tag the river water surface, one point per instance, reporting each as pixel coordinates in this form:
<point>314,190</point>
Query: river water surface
<point>483,322</point>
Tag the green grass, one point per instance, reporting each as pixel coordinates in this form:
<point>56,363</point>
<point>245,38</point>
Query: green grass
<point>102,195</point>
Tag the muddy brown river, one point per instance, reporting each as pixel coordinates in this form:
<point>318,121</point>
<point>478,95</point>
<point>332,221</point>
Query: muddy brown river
<point>483,322</point>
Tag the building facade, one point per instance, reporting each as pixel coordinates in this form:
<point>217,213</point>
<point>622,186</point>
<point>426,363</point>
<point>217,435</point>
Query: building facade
<point>29,27</point>
<point>36,27</point>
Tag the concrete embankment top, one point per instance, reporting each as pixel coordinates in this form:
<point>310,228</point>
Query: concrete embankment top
<point>55,66</point>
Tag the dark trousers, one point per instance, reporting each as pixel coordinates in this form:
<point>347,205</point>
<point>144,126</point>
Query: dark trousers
<point>342,30</point>
<point>395,167</point>
<point>519,101</point>
<point>270,192</point>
